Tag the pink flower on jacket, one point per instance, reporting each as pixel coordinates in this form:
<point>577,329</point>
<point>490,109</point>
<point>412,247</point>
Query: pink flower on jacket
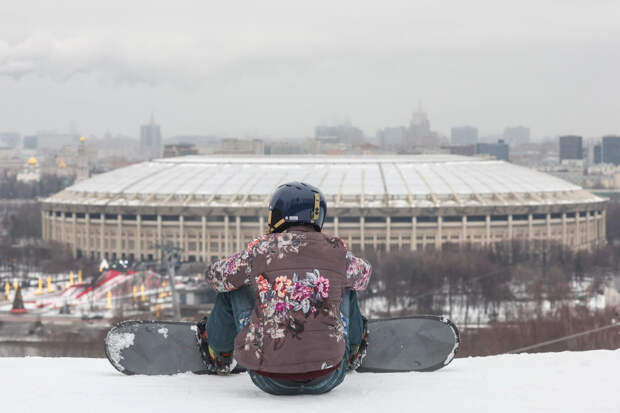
<point>322,285</point>
<point>262,284</point>
<point>281,307</point>
<point>301,292</point>
<point>232,264</point>
<point>252,244</point>
<point>281,285</point>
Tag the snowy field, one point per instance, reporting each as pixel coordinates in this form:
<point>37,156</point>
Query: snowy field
<point>551,382</point>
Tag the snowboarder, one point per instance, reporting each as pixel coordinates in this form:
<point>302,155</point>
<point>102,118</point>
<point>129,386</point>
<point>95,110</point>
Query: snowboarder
<point>287,307</point>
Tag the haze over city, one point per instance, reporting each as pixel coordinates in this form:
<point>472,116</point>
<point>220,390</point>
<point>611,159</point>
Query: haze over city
<point>279,68</point>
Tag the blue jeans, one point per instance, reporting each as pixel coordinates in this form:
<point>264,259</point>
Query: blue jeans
<point>232,311</point>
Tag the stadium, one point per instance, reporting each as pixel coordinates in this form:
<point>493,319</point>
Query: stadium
<point>212,206</point>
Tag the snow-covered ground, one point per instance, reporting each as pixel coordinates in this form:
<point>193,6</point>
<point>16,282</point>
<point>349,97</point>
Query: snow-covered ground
<point>549,382</point>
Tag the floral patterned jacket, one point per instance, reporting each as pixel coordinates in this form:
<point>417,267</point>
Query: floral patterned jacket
<point>299,278</point>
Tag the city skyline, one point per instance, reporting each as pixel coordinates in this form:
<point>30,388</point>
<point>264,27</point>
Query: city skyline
<point>73,130</point>
<point>279,69</point>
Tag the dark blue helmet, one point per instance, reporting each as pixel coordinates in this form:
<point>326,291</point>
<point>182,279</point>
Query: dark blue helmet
<point>296,203</point>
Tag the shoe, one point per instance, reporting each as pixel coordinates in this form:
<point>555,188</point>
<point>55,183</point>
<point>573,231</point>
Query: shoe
<point>220,363</point>
<point>358,353</point>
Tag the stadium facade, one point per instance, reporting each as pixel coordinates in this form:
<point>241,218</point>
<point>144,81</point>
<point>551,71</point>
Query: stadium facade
<point>213,206</point>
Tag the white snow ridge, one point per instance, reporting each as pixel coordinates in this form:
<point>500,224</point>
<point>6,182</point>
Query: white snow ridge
<point>566,382</point>
<point>117,342</point>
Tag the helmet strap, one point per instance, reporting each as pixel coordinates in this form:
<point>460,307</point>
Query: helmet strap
<point>317,207</point>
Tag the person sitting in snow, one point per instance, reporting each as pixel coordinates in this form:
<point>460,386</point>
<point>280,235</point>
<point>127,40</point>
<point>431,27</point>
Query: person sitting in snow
<point>287,308</point>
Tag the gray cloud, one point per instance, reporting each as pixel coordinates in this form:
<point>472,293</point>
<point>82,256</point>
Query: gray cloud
<point>277,67</point>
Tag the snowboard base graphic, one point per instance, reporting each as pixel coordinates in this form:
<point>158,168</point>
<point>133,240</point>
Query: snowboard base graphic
<point>419,343</point>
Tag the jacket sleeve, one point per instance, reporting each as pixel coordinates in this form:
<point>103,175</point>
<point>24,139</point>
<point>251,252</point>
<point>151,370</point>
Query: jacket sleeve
<point>358,272</point>
<point>231,273</point>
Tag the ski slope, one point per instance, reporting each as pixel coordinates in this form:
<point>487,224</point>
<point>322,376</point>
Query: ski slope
<point>549,382</point>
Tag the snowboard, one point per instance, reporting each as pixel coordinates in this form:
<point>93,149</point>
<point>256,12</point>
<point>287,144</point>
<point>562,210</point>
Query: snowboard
<point>419,343</point>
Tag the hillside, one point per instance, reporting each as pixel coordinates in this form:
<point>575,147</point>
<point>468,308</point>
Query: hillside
<point>545,382</point>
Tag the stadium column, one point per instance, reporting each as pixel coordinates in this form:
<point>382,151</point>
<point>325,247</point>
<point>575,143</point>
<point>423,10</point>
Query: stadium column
<point>414,235</point>
<point>588,229</point>
<point>463,230</point>
<point>181,237</point>
<point>603,221</point>
<point>388,233</point>
<point>261,224</point>
<point>487,238</point>
<point>220,243</point>
<point>510,235</point>
<point>548,223</point>
<point>63,230</point>
<point>530,231</point>
<point>564,229</point>
<point>203,240</point>
<point>159,240</point>
<point>226,235</point>
<point>138,246</point>
<point>52,219</point>
<point>119,236</point>
<point>74,234</point>
<point>335,226</point>
<point>238,232</point>
<point>87,225</point>
<point>439,237</point>
<point>101,234</point>
<point>362,234</point>
<point>43,225</point>
<point>577,231</point>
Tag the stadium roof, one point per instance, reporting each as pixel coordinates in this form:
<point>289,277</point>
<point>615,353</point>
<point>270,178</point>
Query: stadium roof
<point>361,181</point>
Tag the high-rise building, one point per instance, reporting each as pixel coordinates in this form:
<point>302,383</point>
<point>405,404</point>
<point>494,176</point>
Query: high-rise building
<point>499,150</point>
<point>597,154</point>
<point>571,147</point>
<point>344,133</point>
<point>241,146</point>
<point>9,139</point>
<point>31,142</point>
<point>82,171</point>
<point>420,130</point>
<point>172,150</point>
<point>150,140</point>
<point>516,135</point>
<point>610,149</point>
<point>464,135</point>
<point>392,137</point>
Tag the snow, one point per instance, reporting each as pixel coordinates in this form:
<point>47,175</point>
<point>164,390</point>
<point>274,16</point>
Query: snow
<point>544,382</point>
<point>117,342</point>
<point>163,331</point>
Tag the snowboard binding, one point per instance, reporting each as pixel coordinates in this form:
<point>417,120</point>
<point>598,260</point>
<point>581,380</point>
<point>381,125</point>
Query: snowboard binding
<point>220,363</point>
<point>358,353</point>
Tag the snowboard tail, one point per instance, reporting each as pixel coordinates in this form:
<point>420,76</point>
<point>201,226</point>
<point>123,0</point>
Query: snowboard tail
<point>419,343</point>
<point>154,348</point>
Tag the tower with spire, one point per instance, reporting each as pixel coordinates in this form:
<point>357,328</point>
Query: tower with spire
<point>420,129</point>
<point>150,139</point>
<point>82,171</point>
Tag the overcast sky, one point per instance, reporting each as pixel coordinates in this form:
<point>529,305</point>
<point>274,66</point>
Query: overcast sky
<point>278,68</point>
